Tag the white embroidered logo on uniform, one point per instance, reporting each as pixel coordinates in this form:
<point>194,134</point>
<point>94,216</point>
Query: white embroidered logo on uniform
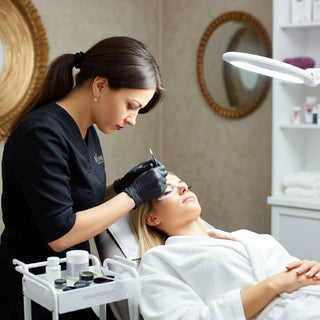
<point>98,159</point>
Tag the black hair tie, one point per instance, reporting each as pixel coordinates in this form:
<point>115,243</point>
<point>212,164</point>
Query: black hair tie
<point>77,59</point>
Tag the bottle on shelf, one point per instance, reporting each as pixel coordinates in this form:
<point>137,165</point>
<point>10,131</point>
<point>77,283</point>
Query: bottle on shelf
<point>314,115</point>
<point>296,115</point>
<point>308,109</point>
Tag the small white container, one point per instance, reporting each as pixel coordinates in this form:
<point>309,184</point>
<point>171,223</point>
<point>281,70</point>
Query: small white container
<point>77,262</point>
<point>53,269</point>
<point>316,10</point>
<point>296,112</point>
<point>301,11</point>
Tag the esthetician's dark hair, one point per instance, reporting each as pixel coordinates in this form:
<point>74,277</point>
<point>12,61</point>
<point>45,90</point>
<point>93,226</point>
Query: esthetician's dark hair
<point>124,61</point>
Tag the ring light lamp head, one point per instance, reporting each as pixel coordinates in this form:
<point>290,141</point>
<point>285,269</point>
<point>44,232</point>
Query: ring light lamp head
<point>273,68</point>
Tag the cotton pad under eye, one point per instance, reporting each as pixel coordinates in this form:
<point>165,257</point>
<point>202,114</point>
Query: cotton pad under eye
<point>167,194</point>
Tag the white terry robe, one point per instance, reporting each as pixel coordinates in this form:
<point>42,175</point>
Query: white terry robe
<point>195,278</point>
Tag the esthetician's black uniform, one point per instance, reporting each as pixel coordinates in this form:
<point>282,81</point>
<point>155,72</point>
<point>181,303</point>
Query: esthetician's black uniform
<point>49,173</point>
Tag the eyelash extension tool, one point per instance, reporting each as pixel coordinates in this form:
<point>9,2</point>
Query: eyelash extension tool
<point>153,157</point>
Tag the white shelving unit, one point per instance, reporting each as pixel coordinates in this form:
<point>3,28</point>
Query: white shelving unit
<point>299,127</point>
<point>295,221</point>
<point>306,26</point>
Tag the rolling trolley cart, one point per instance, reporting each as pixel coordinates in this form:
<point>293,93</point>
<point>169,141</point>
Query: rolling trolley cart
<point>125,285</point>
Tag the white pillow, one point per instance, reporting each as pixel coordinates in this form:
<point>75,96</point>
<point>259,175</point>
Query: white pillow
<point>126,239</point>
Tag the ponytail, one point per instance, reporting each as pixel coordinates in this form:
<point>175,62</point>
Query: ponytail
<point>58,81</point>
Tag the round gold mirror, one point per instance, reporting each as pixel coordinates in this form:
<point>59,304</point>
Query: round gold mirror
<point>23,59</point>
<point>232,92</point>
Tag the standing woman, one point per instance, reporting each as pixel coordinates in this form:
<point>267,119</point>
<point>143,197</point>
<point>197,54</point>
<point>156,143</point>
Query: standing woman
<point>54,184</point>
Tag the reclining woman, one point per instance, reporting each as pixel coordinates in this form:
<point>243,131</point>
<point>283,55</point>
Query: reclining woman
<point>201,274</point>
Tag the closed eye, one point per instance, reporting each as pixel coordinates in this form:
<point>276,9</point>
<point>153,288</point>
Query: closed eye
<point>167,194</point>
<point>130,106</point>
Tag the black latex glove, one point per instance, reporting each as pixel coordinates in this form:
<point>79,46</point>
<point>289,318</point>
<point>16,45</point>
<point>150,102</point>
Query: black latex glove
<point>120,184</point>
<point>150,185</point>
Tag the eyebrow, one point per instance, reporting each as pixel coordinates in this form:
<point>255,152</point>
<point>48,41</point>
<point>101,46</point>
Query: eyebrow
<point>139,103</point>
<point>171,185</point>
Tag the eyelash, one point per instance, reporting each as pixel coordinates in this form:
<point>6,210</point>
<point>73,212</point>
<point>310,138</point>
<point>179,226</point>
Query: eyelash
<point>188,186</point>
<point>130,107</point>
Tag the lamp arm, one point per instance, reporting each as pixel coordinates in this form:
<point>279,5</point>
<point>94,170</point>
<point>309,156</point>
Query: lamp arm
<point>315,74</point>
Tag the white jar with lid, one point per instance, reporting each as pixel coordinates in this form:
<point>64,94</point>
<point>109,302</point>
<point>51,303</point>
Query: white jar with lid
<point>77,262</point>
<point>53,269</point>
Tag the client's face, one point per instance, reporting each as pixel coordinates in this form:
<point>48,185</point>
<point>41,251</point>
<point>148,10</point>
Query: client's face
<point>176,208</point>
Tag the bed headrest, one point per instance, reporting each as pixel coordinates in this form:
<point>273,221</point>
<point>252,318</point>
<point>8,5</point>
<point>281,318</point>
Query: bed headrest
<point>125,238</point>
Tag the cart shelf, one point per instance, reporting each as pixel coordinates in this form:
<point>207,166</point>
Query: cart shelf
<point>125,286</point>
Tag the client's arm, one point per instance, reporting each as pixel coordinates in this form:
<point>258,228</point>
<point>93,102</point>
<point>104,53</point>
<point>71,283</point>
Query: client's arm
<point>254,299</point>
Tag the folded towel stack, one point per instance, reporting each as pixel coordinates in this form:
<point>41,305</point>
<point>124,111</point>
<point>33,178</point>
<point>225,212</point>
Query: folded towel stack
<point>302,184</point>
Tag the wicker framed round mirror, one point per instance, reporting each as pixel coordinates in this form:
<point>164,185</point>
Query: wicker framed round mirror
<point>23,59</point>
<point>232,92</point>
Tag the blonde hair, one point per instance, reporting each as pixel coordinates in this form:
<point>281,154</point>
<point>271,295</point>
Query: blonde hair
<point>147,237</point>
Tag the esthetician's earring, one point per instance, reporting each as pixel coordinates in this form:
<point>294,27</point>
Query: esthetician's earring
<point>95,99</point>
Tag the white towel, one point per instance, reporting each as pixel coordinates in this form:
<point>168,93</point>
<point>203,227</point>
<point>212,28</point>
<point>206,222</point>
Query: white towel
<point>303,179</point>
<point>302,192</point>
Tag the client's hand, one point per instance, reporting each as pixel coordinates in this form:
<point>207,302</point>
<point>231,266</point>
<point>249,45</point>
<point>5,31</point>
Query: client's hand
<point>120,184</point>
<point>148,186</point>
<point>289,281</point>
<point>310,268</point>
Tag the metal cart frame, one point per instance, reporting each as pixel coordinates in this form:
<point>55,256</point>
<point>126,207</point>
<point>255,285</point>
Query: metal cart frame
<point>125,286</point>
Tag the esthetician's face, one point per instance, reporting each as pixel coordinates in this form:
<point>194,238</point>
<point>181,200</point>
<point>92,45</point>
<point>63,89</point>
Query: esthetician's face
<point>178,209</point>
<point>116,109</point>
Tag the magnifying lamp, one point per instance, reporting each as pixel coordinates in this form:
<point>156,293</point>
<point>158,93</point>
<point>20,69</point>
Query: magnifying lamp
<point>273,68</point>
